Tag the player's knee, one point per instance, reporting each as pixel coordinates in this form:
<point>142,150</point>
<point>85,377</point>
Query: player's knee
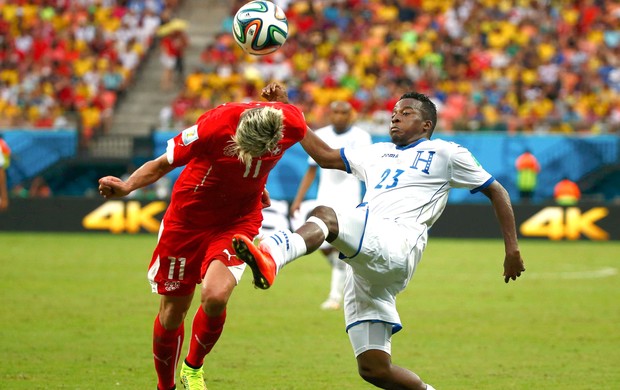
<point>172,316</point>
<point>327,215</point>
<point>214,302</point>
<point>171,321</point>
<point>173,309</point>
<point>373,374</point>
<point>375,366</point>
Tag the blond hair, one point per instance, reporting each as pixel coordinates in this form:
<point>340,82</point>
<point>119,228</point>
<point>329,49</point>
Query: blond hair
<point>258,132</point>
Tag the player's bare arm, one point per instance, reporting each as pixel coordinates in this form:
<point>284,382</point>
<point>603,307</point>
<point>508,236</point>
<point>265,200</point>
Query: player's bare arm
<point>275,92</point>
<point>322,153</point>
<point>513,263</point>
<point>304,186</point>
<point>149,173</point>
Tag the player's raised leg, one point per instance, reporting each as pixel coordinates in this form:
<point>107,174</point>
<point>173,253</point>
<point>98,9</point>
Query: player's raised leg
<point>284,246</point>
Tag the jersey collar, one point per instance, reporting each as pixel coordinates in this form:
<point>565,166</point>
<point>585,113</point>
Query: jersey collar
<point>411,145</point>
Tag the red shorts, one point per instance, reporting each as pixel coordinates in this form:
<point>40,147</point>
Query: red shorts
<point>181,257</point>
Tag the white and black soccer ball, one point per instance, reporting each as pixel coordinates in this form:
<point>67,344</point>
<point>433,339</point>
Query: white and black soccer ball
<point>260,27</point>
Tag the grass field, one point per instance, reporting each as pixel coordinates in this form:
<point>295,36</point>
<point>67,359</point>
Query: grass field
<point>77,313</point>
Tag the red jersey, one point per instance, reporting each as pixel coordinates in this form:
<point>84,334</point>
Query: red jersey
<point>215,188</point>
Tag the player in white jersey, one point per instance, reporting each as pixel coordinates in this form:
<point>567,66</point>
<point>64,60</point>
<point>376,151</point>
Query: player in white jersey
<point>336,188</point>
<point>382,240</point>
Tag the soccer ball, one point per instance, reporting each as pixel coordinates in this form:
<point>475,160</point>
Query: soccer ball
<point>260,27</point>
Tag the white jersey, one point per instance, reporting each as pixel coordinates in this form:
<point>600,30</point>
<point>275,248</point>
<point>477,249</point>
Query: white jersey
<point>383,239</point>
<point>413,182</point>
<point>337,188</point>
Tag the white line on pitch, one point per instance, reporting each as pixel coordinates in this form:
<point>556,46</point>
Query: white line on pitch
<point>593,274</point>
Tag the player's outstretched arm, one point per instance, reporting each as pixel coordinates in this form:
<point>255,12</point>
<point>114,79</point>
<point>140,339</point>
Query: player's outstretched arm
<point>322,153</point>
<point>513,263</point>
<point>303,188</point>
<point>149,173</point>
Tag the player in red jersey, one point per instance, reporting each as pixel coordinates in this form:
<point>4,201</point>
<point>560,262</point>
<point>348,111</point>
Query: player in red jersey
<point>227,156</point>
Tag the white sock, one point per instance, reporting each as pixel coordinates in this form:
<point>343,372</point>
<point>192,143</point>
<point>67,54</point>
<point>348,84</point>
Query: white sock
<point>285,246</point>
<point>338,277</point>
<point>429,387</point>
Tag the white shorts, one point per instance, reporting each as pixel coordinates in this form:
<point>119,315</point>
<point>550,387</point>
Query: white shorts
<point>371,335</point>
<point>383,255</point>
<point>167,61</point>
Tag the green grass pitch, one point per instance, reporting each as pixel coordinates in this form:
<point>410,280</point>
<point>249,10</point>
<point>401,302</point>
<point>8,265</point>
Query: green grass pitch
<point>77,313</point>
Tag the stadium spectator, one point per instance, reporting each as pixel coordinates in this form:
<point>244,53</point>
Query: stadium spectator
<point>228,155</point>
<point>181,108</point>
<point>383,239</point>
<point>566,192</point>
<point>57,56</point>
<point>39,188</point>
<point>528,169</point>
<point>336,189</point>
<point>487,66</point>
<point>5,159</point>
<point>174,41</point>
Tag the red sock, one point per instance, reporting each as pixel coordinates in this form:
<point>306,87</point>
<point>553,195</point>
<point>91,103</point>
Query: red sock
<point>205,333</point>
<point>167,346</point>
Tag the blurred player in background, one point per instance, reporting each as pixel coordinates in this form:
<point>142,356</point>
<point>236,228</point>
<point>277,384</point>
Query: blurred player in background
<point>227,156</point>
<point>336,189</point>
<point>5,156</point>
<point>407,186</point>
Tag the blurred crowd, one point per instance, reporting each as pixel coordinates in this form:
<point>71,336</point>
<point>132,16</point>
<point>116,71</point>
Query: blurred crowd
<point>490,65</point>
<point>67,62</point>
<point>499,65</point>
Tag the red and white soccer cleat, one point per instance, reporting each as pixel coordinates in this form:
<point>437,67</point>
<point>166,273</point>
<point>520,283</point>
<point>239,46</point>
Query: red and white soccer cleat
<point>260,262</point>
